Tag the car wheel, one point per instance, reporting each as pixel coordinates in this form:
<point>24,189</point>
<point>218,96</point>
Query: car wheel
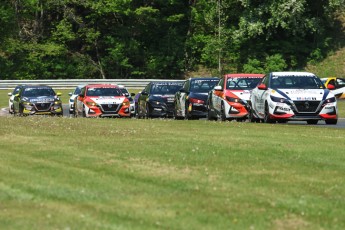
<point>84,113</point>
<point>267,118</point>
<point>188,116</point>
<point>21,109</point>
<point>331,121</point>
<point>147,112</point>
<point>11,109</point>
<point>222,112</point>
<point>312,122</point>
<point>251,117</point>
<point>209,114</point>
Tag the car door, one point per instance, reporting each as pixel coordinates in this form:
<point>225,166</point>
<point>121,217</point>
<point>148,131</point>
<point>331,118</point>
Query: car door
<point>217,96</point>
<point>181,98</point>
<point>16,100</point>
<point>259,96</point>
<point>142,100</point>
<point>80,101</point>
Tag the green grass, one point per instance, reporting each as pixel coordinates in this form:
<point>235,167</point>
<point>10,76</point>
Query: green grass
<point>64,173</point>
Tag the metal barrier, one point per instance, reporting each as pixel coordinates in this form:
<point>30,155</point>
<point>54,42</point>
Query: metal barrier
<point>71,83</point>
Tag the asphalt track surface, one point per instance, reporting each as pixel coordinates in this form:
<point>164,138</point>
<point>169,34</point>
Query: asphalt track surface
<point>341,121</point>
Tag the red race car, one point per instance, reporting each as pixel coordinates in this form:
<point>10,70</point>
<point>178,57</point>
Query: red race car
<point>101,100</point>
<point>228,100</point>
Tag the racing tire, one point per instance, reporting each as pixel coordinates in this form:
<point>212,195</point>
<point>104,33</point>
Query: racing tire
<point>331,121</point>
<point>147,112</point>
<point>188,116</point>
<point>222,113</point>
<point>21,109</point>
<point>83,113</point>
<point>312,122</point>
<point>267,118</point>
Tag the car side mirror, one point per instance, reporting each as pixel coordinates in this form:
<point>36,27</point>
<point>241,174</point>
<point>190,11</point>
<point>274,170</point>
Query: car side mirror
<point>70,94</point>
<point>262,86</point>
<point>144,93</point>
<point>330,87</point>
<point>9,94</point>
<point>218,88</point>
<point>58,94</point>
<point>16,95</point>
<point>133,94</point>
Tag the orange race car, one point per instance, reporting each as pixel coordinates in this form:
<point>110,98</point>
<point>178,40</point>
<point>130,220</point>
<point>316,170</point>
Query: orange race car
<point>101,100</point>
<point>228,100</point>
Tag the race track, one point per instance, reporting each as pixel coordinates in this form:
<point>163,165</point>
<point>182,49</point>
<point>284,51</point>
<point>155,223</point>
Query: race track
<point>341,121</point>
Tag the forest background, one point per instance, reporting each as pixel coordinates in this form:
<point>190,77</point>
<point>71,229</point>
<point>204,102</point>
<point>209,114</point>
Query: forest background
<point>169,39</point>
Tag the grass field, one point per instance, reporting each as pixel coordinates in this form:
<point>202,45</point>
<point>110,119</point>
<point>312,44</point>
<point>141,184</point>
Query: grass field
<point>67,173</point>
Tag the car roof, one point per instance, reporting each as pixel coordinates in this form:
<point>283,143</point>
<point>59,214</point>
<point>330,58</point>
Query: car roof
<point>101,86</point>
<point>203,78</point>
<point>292,74</point>
<point>36,86</point>
<point>244,75</point>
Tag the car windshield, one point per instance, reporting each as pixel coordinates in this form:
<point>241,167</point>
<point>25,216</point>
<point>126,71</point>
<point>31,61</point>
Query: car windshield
<point>125,92</point>
<point>203,85</point>
<point>165,88</point>
<point>77,91</point>
<point>296,82</point>
<point>242,83</point>
<point>96,92</point>
<point>38,92</point>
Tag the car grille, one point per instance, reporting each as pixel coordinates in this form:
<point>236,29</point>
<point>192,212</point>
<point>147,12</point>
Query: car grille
<point>42,106</point>
<point>110,108</point>
<point>307,106</point>
<point>170,106</point>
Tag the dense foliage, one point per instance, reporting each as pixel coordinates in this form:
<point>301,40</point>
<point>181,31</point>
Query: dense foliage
<point>52,39</point>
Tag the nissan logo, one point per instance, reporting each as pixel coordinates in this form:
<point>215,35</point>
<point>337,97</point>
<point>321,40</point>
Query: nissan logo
<point>306,105</point>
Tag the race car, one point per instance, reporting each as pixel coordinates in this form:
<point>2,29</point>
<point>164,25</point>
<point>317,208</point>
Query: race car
<point>73,96</point>
<point>339,84</point>
<point>228,100</point>
<point>190,100</point>
<point>157,99</point>
<point>101,100</point>
<point>289,96</point>
<point>130,96</point>
<point>37,99</point>
<point>11,95</point>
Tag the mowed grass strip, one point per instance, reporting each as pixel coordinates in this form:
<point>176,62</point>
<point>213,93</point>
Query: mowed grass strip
<point>63,173</point>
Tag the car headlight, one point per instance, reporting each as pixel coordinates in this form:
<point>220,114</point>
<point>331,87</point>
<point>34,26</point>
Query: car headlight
<point>91,103</point>
<point>279,99</point>
<point>71,100</point>
<point>126,103</point>
<point>330,100</point>
<point>26,103</point>
<point>233,99</point>
<point>155,102</point>
<point>57,102</point>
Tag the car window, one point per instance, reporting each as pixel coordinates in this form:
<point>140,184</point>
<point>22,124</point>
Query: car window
<point>99,91</point>
<point>38,92</point>
<point>242,83</point>
<point>16,90</point>
<point>296,82</point>
<point>165,88</point>
<point>203,85</point>
<point>77,91</point>
<point>340,82</point>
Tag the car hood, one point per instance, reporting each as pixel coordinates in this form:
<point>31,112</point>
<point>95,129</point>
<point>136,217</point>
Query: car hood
<point>108,100</point>
<point>242,94</point>
<point>42,99</point>
<point>302,94</point>
<point>162,98</point>
<point>200,96</point>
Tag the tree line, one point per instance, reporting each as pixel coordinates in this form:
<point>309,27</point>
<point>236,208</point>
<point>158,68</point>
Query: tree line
<point>59,39</point>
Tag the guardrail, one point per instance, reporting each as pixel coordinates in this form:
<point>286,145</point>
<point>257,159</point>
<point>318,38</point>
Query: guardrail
<point>71,83</point>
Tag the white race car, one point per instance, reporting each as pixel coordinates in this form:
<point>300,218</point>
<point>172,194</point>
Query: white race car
<point>11,95</point>
<point>130,98</point>
<point>287,96</point>
<point>73,96</point>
